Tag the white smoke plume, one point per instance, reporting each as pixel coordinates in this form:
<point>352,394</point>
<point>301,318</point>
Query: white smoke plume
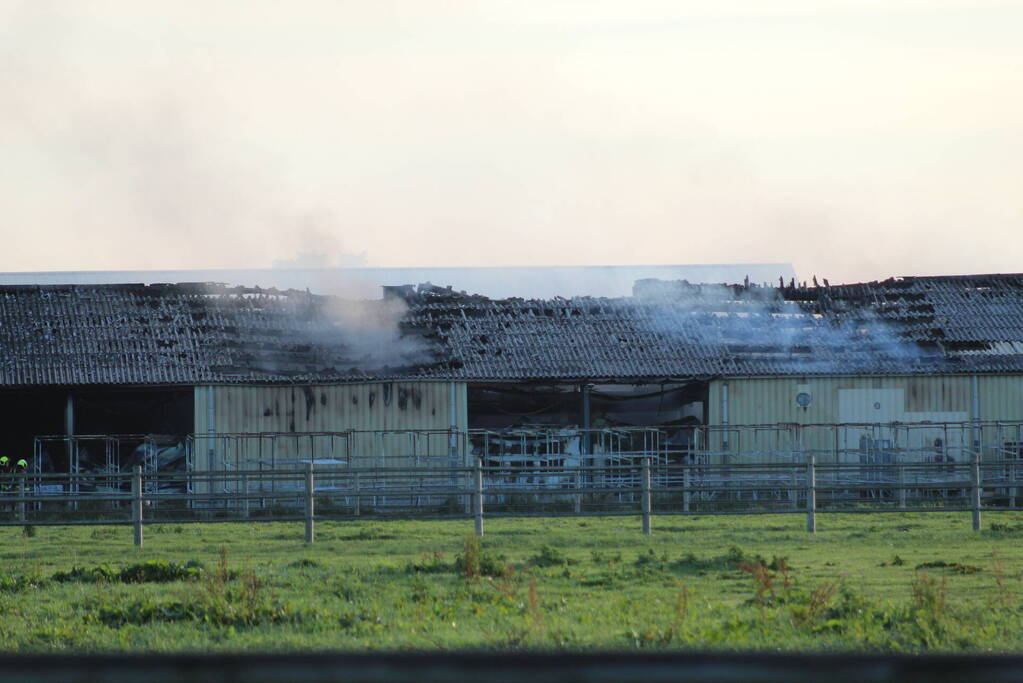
<point>757,325</point>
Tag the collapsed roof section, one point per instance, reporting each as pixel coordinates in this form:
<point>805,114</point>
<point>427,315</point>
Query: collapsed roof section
<point>202,333</point>
<point>198,334</point>
<point>677,329</point>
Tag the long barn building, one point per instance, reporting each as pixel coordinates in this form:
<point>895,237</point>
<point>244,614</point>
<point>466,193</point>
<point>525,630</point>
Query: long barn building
<point>937,360</point>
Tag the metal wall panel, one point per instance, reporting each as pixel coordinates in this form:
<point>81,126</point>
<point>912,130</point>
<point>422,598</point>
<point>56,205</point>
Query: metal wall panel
<point>321,408</point>
<point>1001,397</point>
<point>773,400</point>
<point>942,398</point>
<point>394,407</point>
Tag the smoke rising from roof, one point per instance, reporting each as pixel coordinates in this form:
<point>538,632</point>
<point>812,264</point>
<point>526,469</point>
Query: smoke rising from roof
<point>811,336</point>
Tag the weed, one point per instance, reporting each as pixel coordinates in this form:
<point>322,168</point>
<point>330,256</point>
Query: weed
<point>535,614</point>
<point>161,571</point>
<point>28,531</point>
<point>763,579</point>
<point>18,583</point>
<point>153,571</point>
<point>735,555</point>
<point>469,560</point>
<point>781,565</point>
<point>929,595</point>
<point>474,562</point>
<point>815,603</point>
<point>678,617</point>
<point>605,558</point>
<point>431,563</point>
<point>956,567</point>
<point>305,563</point>
<point>549,556</point>
<point>1002,594</point>
<point>369,534</point>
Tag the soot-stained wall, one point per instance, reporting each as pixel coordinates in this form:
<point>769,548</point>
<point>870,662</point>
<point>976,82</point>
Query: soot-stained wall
<point>327,408</point>
<point>393,406</point>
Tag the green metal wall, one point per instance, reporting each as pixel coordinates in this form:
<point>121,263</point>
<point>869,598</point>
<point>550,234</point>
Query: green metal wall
<point>863,400</point>
<point>391,406</point>
<point>773,400</point>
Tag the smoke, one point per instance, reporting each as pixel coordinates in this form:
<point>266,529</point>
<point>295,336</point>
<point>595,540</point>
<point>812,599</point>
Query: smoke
<point>194,135</point>
<point>758,330</point>
<point>145,154</point>
<point>371,331</point>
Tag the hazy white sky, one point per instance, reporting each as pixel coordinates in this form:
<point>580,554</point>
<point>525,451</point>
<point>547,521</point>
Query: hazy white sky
<point>854,139</point>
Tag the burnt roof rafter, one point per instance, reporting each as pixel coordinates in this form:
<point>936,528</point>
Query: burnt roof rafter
<point>198,333</point>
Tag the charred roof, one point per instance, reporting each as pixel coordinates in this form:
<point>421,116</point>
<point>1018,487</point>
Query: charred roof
<point>203,333</point>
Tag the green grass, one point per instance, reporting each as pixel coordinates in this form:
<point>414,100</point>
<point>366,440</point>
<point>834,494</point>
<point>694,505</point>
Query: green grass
<point>893,583</point>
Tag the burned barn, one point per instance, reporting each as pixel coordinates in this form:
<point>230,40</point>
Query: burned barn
<point>204,376</point>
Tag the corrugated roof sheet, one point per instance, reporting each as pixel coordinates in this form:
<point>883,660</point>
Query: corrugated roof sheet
<point>200,333</point>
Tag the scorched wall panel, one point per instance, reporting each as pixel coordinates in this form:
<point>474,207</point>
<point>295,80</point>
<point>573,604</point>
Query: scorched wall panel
<point>393,406</point>
<point>323,408</point>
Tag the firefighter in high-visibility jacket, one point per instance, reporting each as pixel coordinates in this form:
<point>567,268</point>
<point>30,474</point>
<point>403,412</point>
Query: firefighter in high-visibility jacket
<point>18,478</point>
<point>6,472</point>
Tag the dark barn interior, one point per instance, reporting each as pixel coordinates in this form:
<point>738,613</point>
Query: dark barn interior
<point>35,413</point>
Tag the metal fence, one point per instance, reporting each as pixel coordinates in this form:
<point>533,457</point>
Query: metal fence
<point>862,443</point>
<point>641,485</point>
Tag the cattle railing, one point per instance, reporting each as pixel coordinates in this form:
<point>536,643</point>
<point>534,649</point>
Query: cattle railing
<point>642,487</point>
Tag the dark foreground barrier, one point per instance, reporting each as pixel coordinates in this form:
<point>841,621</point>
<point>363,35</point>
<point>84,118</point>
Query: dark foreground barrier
<point>508,667</point>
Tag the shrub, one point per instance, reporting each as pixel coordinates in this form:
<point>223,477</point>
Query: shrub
<point>549,556</point>
<point>929,595</point>
<point>431,563</point>
<point>474,562</point>
<point>956,567</point>
<point>16,584</point>
<point>304,563</point>
<point>152,571</point>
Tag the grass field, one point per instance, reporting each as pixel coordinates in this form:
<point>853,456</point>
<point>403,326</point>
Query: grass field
<point>913,582</point>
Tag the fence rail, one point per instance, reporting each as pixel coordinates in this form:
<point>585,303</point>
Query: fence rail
<point>643,486</point>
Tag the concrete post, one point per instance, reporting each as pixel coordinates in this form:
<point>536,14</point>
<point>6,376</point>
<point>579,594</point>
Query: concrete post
<point>358,496</point>
<point>136,504</point>
<point>245,495</point>
<point>902,484</point>
<point>21,494</point>
<point>646,496</point>
<point>811,494</point>
<point>686,480</point>
<point>478,496</point>
<point>975,467</point>
<point>577,499</point>
<point>310,487</point>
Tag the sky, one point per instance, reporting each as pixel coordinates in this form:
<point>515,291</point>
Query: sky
<point>854,139</point>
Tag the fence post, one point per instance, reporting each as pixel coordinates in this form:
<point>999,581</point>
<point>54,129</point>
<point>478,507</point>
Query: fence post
<point>686,478</point>
<point>478,496</point>
<point>310,530</point>
<point>21,494</point>
<point>902,484</point>
<point>358,496</point>
<point>646,496</point>
<point>811,494</point>
<point>577,499</point>
<point>245,495</point>
<point>136,504</point>
<point>975,493</point>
